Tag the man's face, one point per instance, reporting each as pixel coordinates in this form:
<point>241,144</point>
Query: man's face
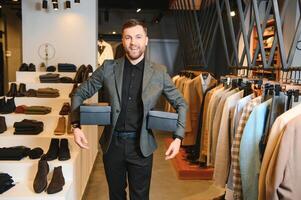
<point>134,41</point>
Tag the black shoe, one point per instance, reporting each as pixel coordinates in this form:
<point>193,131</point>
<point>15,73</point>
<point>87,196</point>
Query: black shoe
<point>12,90</point>
<point>79,74</point>
<point>2,104</point>
<point>9,106</point>
<point>40,180</point>
<point>57,181</point>
<point>66,109</point>
<point>23,67</point>
<point>53,150</point>
<point>3,127</point>
<point>22,90</point>
<point>89,69</point>
<point>31,67</point>
<point>64,152</point>
<point>73,90</point>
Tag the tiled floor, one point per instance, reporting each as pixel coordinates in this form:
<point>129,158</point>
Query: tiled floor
<point>164,186</point>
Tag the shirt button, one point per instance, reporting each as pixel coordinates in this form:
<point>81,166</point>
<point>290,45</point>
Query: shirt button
<point>133,74</point>
<point>130,98</point>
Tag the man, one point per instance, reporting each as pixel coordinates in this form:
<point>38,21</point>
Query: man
<point>132,86</point>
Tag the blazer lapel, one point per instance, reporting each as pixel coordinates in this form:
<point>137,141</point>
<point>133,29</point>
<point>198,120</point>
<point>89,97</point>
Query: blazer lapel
<point>118,75</point>
<point>147,74</point>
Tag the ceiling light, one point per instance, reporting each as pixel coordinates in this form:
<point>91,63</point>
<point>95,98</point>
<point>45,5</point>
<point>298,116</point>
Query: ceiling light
<point>55,6</point>
<point>68,4</point>
<point>15,0</point>
<point>232,13</point>
<point>114,32</point>
<point>76,1</point>
<point>0,6</point>
<point>44,4</point>
<point>54,1</point>
<point>138,10</point>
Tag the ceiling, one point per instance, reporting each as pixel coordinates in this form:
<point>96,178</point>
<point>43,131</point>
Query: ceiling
<point>134,4</point>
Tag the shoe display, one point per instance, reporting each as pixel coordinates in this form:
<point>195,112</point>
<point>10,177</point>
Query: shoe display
<point>12,90</point>
<point>61,126</point>
<point>3,127</point>
<point>89,69</point>
<point>2,104</point>
<point>35,153</point>
<point>79,74</point>
<point>40,180</point>
<point>57,181</point>
<point>9,106</point>
<point>66,109</point>
<point>31,67</point>
<point>23,67</point>
<point>53,150</point>
<point>64,152</point>
<point>73,90</point>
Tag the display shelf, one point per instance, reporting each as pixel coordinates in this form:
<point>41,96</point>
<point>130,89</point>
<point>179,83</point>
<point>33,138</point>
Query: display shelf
<point>33,77</point>
<point>24,191</point>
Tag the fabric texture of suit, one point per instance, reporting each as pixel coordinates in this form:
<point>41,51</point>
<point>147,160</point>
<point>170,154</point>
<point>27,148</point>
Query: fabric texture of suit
<point>249,155</point>
<point>156,81</point>
<point>285,174</point>
<point>274,136</point>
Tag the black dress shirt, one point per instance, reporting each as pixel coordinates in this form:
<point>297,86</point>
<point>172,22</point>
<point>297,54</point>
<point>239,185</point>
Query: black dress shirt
<point>131,115</point>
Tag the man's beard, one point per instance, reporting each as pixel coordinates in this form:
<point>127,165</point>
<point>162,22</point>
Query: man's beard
<point>135,56</point>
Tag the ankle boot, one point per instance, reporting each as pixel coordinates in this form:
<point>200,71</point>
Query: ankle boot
<point>53,150</point>
<point>89,69</point>
<point>79,74</point>
<point>23,67</point>
<point>31,67</point>
<point>12,91</point>
<point>69,129</point>
<point>2,104</point>
<point>22,90</point>
<point>64,152</point>
<point>61,126</point>
<point>3,127</point>
<point>57,181</point>
<point>40,180</point>
<point>73,90</point>
<point>9,106</point>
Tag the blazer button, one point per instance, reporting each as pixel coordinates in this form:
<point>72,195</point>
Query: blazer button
<point>117,111</point>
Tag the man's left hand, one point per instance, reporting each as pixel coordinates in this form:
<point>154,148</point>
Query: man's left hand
<point>173,149</point>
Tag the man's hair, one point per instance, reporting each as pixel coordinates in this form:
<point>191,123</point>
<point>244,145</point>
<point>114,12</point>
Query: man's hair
<point>134,22</point>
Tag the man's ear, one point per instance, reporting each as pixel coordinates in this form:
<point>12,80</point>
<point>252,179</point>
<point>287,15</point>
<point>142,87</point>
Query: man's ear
<point>146,41</point>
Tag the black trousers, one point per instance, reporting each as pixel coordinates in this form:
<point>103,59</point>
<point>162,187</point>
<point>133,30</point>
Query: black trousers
<point>124,163</point>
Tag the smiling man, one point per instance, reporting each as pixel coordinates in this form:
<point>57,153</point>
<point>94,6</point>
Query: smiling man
<point>132,85</point>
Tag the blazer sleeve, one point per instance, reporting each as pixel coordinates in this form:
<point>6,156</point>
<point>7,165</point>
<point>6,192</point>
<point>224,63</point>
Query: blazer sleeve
<point>86,90</point>
<point>175,98</point>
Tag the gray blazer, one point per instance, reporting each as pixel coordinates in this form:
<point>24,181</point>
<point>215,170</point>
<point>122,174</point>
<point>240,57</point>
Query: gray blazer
<point>109,78</point>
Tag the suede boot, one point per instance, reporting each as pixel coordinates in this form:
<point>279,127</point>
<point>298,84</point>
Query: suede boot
<point>79,74</point>
<point>69,129</point>
<point>53,150</point>
<point>9,106</point>
<point>22,90</point>
<point>31,67</point>
<point>12,90</point>
<point>40,180</point>
<point>61,126</point>
<point>73,90</point>
<point>66,109</point>
<point>3,127</point>
<point>57,181</point>
<point>23,67</point>
<point>64,152</point>
<point>89,69</point>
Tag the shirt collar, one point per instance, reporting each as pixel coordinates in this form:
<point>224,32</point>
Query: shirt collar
<point>139,65</point>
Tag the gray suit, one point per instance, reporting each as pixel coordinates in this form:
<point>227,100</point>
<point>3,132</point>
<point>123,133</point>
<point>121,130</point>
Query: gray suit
<point>109,78</point>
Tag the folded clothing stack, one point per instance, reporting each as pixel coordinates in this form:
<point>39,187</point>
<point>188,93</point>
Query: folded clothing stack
<point>66,67</point>
<point>49,78</point>
<point>48,92</point>
<point>13,153</point>
<point>37,110</point>
<point>28,127</point>
<point>6,182</point>
<point>31,93</point>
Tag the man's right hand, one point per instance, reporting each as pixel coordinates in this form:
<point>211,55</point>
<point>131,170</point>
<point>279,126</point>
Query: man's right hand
<point>80,138</point>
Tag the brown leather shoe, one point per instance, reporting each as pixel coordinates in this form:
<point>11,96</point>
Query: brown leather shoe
<point>40,180</point>
<point>61,126</point>
<point>57,182</point>
<point>66,109</point>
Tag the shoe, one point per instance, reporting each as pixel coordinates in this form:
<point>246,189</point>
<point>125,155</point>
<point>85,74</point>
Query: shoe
<point>9,106</point>
<point>31,67</point>
<point>22,90</point>
<point>64,152</point>
<point>35,153</point>
<point>53,150</point>
<point>12,90</point>
<point>2,104</point>
<point>40,180</point>
<point>23,67</point>
<point>51,68</point>
<point>73,90</point>
<point>57,181</point>
<point>89,69</point>
<point>79,74</point>
<point>3,126</point>
<point>61,126</point>
<point>69,129</point>
<point>66,109</point>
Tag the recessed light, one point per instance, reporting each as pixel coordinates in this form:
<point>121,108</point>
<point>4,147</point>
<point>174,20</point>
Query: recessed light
<point>232,13</point>
<point>138,10</point>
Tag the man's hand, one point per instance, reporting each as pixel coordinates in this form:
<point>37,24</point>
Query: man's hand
<point>80,138</point>
<point>173,149</point>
